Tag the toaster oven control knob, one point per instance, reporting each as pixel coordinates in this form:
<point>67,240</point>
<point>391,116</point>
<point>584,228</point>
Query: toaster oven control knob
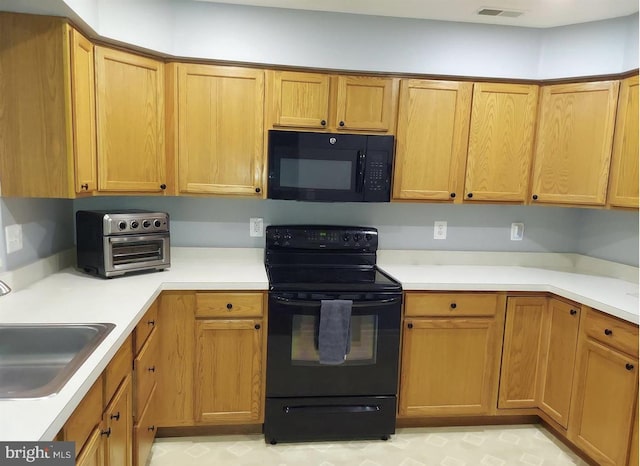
<point>367,237</point>
<point>134,224</point>
<point>146,224</point>
<point>356,237</point>
<point>122,225</point>
<point>157,223</point>
<point>346,237</point>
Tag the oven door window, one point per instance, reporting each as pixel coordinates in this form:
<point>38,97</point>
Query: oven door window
<point>362,348</point>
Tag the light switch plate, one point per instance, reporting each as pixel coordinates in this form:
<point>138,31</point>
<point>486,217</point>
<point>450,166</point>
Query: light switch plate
<point>13,238</point>
<point>256,227</point>
<point>517,231</point>
<point>440,230</point>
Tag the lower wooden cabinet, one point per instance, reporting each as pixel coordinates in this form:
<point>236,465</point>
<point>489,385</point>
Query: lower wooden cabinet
<point>523,340</point>
<point>93,452</point>
<point>603,401</point>
<point>450,364</point>
<point>119,421</point>
<point>558,359</point>
<point>229,371</point>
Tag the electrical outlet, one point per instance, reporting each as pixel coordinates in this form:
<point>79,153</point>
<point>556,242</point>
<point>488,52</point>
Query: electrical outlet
<point>440,230</point>
<point>13,238</point>
<point>517,231</point>
<point>256,227</point>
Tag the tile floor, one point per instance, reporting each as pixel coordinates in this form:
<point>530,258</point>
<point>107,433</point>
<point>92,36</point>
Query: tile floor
<point>525,445</point>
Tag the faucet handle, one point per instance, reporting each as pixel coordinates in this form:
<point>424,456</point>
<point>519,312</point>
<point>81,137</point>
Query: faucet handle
<point>4,288</point>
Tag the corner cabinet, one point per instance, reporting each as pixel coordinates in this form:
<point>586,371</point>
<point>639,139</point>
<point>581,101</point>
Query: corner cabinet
<point>47,114</point>
<point>130,128</point>
<point>318,101</point>
<point>431,147</point>
<point>500,149</point>
<point>450,354</point>
<point>573,143</point>
<point>220,142</point>
<point>623,186</point>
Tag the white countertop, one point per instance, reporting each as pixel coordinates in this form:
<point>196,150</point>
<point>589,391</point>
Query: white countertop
<point>70,296</point>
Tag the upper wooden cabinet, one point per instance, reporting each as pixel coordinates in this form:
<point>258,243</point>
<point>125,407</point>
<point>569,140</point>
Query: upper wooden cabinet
<point>47,118</point>
<point>130,115</point>
<point>333,103</point>
<point>220,130</point>
<point>433,129</point>
<point>573,143</point>
<point>500,142</point>
<point>623,186</point>
<point>299,99</point>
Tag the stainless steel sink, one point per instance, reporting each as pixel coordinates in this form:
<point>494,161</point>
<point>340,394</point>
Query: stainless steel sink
<point>36,360</point>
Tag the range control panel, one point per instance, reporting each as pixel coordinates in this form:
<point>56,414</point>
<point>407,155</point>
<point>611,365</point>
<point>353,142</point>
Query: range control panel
<point>322,237</point>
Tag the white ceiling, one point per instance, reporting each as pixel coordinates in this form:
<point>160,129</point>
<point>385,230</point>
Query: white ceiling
<point>536,13</point>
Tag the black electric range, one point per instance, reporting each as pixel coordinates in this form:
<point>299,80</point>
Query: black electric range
<point>307,266</point>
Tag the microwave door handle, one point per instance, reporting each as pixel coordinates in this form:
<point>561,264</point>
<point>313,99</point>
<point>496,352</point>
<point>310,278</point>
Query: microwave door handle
<point>362,162</point>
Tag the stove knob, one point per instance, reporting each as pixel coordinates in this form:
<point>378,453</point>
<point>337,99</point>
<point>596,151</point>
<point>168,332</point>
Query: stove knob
<point>146,224</point>
<point>134,224</point>
<point>157,223</point>
<point>122,225</point>
<point>346,237</point>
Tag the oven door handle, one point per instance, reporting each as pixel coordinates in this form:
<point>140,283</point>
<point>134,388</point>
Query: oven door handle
<point>357,304</point>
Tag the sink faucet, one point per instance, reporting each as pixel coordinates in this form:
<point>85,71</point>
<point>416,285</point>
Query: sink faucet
<point>4,288</point>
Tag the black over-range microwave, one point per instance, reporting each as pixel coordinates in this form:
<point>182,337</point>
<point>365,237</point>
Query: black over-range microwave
<point>306,166</point>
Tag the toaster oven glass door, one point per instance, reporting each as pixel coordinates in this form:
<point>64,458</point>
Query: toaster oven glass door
<point>128,253</point>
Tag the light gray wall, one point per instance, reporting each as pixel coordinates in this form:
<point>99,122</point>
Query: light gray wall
<point>47,228</point>
<point>609,234</point>
<point>225,222</point>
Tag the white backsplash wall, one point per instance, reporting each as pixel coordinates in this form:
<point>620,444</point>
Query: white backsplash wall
<point>216,222</point>
<point>609,234</point>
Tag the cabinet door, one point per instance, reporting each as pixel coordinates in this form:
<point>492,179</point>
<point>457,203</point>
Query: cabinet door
<point>603,403</point>
<point>573,144</point>
<point>623,187</point>
<point>174,393</point>
<point>448,367</point>
<point>433,128</point>
<point>523,335</point>
<point>119,420</point>
<point>130,110</point>
<point>220,130</point>
<point>559,352</point>
<point>299,99</point>
<point>228,386</point>
<point>84,112</point>
<point>365,103</point>
<point>500,142</point>
<point>93,453</point>
<point>144,432</point>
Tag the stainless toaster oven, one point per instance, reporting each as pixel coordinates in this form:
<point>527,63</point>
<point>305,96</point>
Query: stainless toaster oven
<point>112,243</point>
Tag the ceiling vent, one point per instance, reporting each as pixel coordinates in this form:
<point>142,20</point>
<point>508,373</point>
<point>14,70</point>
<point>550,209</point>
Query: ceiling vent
<point>497,12</point>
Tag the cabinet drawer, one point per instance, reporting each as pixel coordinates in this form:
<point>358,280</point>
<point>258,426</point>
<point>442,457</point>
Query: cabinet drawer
<point>86,417</point>
<point>145,366</point>
<point>613,332</point>
<point>450,304</point>
<point>117,369</point>
<point>144,327</point>
<point>144,431</point>
<point>229,305</point>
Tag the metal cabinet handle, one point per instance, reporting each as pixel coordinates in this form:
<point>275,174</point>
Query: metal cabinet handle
<point>629,367</point>
<point>341,123</point>
<point>470,195</point>
<point>115,416</point>
<point>152,369</point>
<point>409,325</point>
<point>151,322</point>
<point>151,428</point>
<point>106,433</point>
<point>229,306</point>
<point>535,197</point>
<point>323,122</point>
<point>84,186</point>
<point>257,326</point>
<point>573,312</point>
<point>608,331</point>
<point>453,305</point>
<point>163,186</point>
<point>453,195</point>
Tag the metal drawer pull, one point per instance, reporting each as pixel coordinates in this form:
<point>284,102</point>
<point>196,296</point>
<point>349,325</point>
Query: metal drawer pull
<point>152,369</point>
<point>573,312</point>
<point>229,306</point>
<point>629,367</point>
<point>151,428</point>
<point>608,332</point>
<point>115,416</point>
<point>106,433</point>
<point>151,322</point>
<point>453,305</point>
